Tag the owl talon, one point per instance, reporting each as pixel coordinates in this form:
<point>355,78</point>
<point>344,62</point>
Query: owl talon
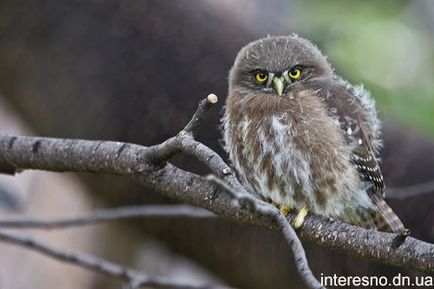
<point>299,219</point>
<point>285,210</point>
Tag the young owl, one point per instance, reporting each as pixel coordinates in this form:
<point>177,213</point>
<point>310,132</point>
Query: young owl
<point>303,138</point>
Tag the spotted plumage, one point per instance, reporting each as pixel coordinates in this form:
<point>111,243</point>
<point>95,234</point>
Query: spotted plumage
<point>302,137</point>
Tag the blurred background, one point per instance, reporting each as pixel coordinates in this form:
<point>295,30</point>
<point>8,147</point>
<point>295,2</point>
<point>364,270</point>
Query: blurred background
<point>135,70</point>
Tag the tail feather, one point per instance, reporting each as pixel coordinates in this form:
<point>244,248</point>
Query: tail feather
<point>387,220</point>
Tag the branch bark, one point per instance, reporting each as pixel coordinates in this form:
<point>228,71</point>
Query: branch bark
<point>150,167</point>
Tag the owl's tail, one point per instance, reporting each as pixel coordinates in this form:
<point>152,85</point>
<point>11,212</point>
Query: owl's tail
<point>387,220</point>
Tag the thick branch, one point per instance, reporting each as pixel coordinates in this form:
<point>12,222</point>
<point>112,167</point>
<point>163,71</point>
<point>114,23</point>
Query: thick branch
<point>148,166</point>
<point>413,254</point>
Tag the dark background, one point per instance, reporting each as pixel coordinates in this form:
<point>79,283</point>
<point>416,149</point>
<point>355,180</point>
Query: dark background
<point>135,70</point>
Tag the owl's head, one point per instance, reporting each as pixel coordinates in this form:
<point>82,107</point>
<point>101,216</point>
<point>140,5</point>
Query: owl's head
<point>275,64</point>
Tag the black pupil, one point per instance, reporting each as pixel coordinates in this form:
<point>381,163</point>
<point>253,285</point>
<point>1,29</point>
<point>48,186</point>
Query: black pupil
<point>261,75</point>
<point>294,71</point>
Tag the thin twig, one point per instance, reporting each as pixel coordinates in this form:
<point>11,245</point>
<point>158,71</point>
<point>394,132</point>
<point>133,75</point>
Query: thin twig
<point>96,264</point>
<point>411,191</point>
<point>257,206</point>
<point>165,211</point>
<point>164,151</point>
<point>204,106</point>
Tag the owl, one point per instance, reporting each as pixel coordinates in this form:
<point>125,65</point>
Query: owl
<point>303,138</point>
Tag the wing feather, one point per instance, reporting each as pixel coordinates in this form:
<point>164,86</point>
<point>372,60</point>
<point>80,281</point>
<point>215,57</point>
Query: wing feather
<point>351,107</point>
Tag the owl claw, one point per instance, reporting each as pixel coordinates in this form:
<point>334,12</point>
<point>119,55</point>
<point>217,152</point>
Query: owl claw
<point>285,210</point>
<point>299,219</point>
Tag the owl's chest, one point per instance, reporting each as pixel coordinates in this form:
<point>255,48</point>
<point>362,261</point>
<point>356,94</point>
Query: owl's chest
<point>268,154</point>
<point>286,160</point>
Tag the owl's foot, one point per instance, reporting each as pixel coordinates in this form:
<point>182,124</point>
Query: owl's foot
<point>285,210</point>
<point>299,218</point>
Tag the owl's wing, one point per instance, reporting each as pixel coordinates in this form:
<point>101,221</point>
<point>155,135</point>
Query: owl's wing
<point>358,121</point>
<point>368,168</point>
<point>355,111</point>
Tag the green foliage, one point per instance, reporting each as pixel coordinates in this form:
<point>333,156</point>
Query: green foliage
<point>383,44</point>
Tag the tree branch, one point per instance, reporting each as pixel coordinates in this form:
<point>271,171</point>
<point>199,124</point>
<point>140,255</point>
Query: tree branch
<point>411,191</point>
<point>166,211</point>
<point>148,165</point>
<point>259,207</point>
<point>134,278</point>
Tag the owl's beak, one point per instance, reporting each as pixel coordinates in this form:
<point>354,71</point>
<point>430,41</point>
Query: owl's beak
<point>279,84</point>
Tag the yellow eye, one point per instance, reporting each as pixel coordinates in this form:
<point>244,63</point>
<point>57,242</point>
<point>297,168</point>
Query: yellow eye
<point>295,73</point>
<point>261,77</point>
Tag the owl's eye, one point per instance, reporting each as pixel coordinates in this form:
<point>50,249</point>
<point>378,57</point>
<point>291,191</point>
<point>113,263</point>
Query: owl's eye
<point>295,73</point>
<point>261,77</point>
